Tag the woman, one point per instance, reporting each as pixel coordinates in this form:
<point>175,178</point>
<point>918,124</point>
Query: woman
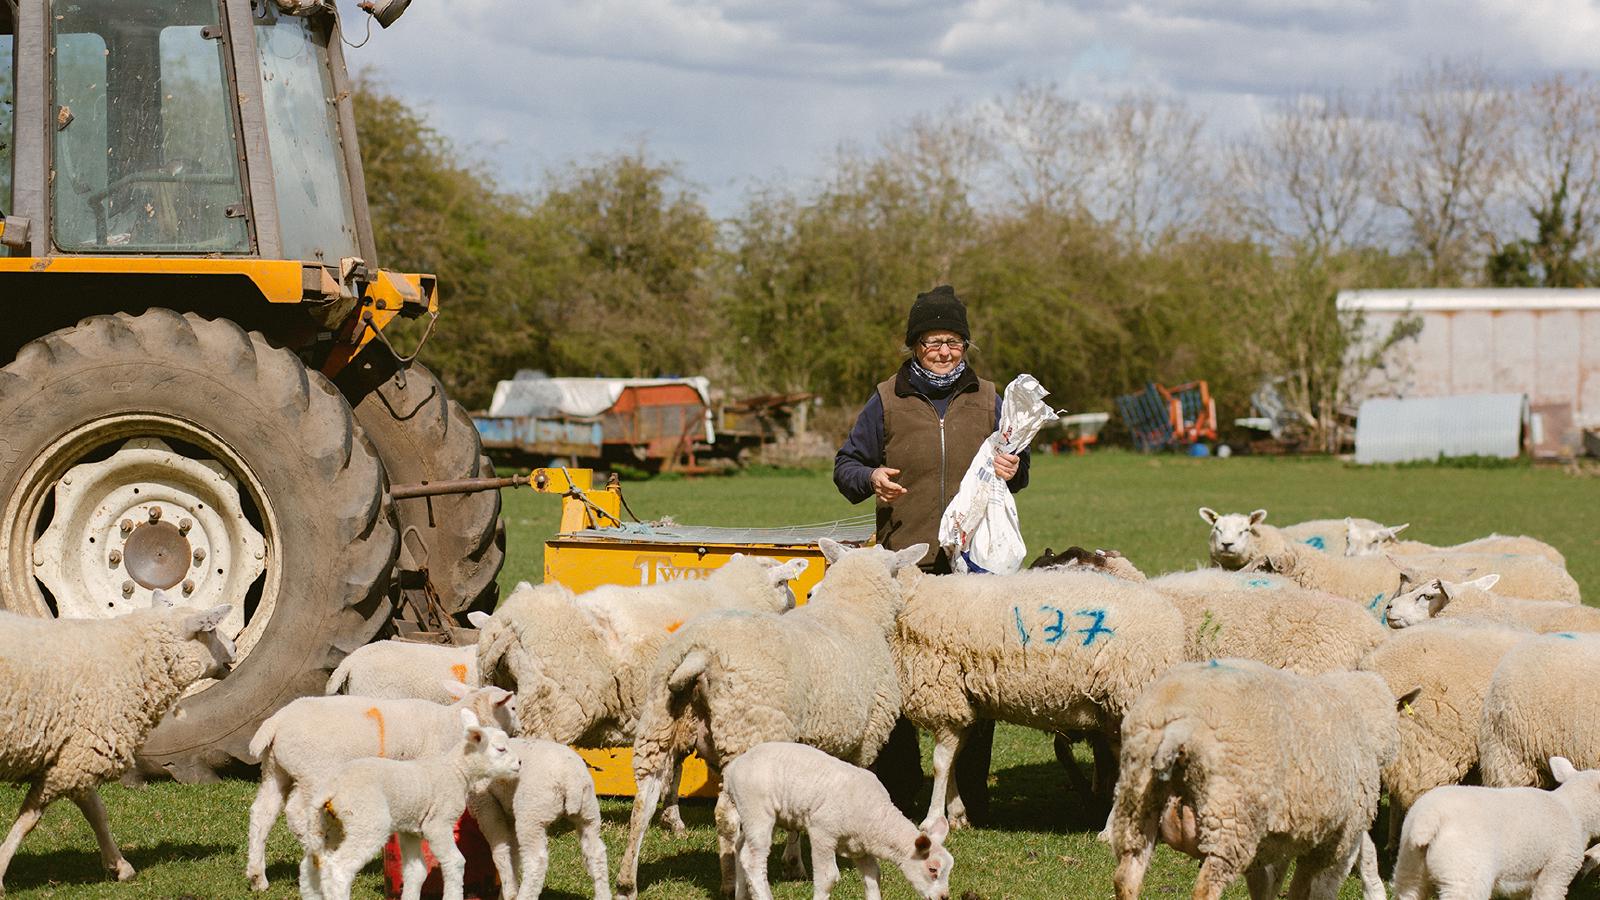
<point>909,448</point>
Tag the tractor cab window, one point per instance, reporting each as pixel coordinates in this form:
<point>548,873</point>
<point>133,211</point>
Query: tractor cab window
<point>308,161</point>
<point>145,144</point>
<point>8,91</point>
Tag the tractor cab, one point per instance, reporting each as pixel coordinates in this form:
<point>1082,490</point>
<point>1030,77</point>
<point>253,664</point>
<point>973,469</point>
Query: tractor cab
<point>214,128</point>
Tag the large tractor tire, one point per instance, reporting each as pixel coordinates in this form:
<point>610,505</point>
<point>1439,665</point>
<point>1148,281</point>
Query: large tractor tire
<point>167,451</point>
<point>423,435</point>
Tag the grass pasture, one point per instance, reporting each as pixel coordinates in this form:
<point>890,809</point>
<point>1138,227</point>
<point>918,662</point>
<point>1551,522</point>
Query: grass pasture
<point>188,841</point>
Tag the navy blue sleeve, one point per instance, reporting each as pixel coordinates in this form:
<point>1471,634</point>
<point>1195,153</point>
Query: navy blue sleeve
<point>862,452</point>
<point>1020,480</point>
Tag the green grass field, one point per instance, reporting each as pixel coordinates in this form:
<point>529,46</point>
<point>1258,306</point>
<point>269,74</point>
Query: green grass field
<point>188,841</point>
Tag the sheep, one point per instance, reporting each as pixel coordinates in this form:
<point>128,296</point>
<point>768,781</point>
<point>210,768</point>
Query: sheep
<point>729,680</point>
<point>82,695</point>
<point>1240,540</point>
<point>1272,767</point>
<point>398,669</point>
<point>554,784</point>
<point>354,811</point>
<point>844,808</point>
<point>1513,842</point>
<point>1063,650</point>
<point>1438,598</point>
<point>1451,661</point>
<point>1363,538</point>
<point>1327,535</point>
<point>1533,577</point>
<point>312,736</point>
<point>578,663</point>
<point>1270,619</point>
<point>1531,714</point>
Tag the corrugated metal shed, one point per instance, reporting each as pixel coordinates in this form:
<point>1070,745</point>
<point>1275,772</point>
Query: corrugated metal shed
<point>1542,342</point>
<point>1391,430</point>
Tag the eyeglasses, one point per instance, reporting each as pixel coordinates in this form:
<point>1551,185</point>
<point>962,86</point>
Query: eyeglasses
<point>946,343</point>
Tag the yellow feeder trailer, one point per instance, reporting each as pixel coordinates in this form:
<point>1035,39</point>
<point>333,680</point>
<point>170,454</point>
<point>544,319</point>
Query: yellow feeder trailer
<point>595,547</point>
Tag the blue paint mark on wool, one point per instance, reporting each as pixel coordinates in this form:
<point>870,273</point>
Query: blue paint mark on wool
<point>1258,582</point>
<point>1566,635</point>
<point>1316,541</point>
<point>1054,631</point>
<point>1096,628</point>
<point>1022,630</point>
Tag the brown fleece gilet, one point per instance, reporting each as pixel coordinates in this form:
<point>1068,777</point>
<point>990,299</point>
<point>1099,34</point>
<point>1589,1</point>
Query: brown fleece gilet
<point>930,468</point>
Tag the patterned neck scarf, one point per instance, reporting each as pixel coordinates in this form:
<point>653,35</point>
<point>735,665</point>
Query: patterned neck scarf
<point>938,382</point>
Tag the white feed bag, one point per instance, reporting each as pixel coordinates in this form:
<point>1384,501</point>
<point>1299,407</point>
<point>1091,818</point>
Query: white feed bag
<point>979,529</point>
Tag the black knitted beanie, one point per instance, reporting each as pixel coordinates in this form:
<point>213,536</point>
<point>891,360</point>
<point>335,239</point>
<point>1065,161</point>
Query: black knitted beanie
<point>937,310</point>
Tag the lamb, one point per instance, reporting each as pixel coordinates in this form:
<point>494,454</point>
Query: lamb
<point>1438,598</point>
<point>1451,661</point>
<point>313,736</point>
<point>354,811</point>
<point>82,695</point>
<point>1513,842</point>
<point>1064,650</point>
<point>820,675</point>
<point>578,663</point>
<point>554,784</point>
<point>1275,766</point>
<point>1530,713</point>
<point>401,669</point>
<point>846,811</point>
<point>1363,538</point>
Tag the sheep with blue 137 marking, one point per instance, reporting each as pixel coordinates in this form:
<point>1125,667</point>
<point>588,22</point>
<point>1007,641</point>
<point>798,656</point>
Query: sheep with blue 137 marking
<point>1055,649</point>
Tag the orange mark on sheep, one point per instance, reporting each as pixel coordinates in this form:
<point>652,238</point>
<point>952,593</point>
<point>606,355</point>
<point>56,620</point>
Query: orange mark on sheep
<point>459,670</point>
<point>674,626</point>
<point>376,715</point>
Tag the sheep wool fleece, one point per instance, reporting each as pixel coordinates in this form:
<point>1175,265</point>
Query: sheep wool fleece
<point>1538,706</point>
<point>1277,766</point>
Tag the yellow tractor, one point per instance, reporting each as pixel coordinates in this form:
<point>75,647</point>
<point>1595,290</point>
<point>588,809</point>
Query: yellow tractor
<point>197,394</point>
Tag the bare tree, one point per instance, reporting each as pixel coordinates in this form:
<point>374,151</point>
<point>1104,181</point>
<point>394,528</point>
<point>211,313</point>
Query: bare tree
<point>1308,179</point>
<point>1044,144</point>
<point>1555,178</point>
<point>1447,162</point>
<point>1152,167</point>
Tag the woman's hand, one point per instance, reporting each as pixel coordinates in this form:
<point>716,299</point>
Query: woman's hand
<point>1006,465</point>
<point>884,486</point>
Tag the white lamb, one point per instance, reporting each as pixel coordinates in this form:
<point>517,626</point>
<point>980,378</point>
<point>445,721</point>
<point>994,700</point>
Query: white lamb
<point>396,668</point>
<point>1471,842</point>
<point>844,808</point>
<point>82,695</point>
<point>1439,598</point>
<point>729,680</point>
<point>554,784</point>
<point>313,736</point>
<point>1272,768</point>
<point>1363,538</point>
<point>1534,709</point>
<point>1064,650</point>
<point>354,811</point>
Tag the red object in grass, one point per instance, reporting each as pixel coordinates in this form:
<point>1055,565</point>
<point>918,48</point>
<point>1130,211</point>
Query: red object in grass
<point>480,881</point>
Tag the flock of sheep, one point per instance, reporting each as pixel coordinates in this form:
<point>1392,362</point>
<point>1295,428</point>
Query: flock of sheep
<point>1249,715</point>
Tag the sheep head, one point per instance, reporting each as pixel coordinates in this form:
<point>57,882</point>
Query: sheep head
<point>1364,540</point>
<point>1236,538</point>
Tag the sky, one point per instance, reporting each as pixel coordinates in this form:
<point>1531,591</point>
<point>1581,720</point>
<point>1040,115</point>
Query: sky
<point>741,92</point>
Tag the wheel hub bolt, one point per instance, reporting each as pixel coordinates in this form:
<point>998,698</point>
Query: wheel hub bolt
<point>127,588</point>
<point>184,525</point>
<point>155,513</point>
<point>188,586</point>
<point>116,558</point>
<point>126,526</point>
<point>199,555</point>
